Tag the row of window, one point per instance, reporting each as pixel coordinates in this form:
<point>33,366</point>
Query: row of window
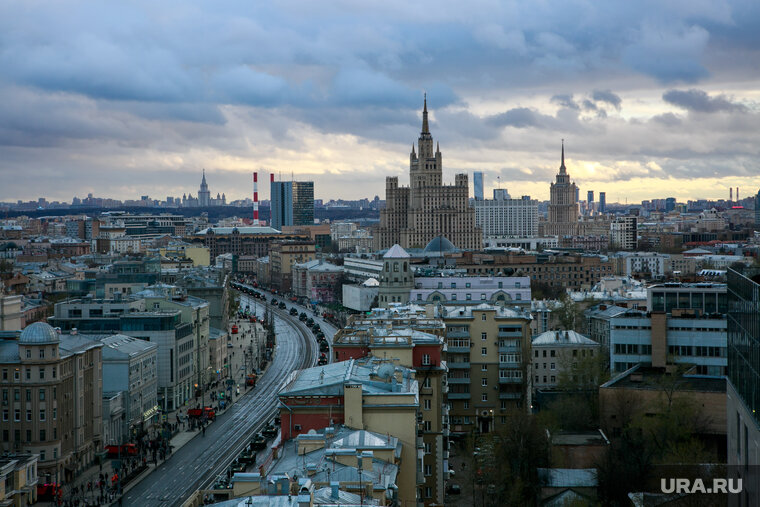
<point>17,415</point>
<point>17,394</point>
<point>28,373</point>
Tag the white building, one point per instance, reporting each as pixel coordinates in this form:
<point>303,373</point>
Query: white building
<point>500,290</point>
<point>503,216</point>
<point>651,264</point>
<point>623,233</point>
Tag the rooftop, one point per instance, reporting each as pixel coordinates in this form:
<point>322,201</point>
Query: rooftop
<point>241,230</point>
<point>647,377</point>
<point>559,338</point>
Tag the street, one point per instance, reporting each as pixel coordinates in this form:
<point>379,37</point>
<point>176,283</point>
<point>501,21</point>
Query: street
<point>204,458</point>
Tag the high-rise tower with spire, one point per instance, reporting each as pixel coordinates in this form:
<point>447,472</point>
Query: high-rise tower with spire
<point>563,204</point>
<point>427,208</point>
<point>204,196</point>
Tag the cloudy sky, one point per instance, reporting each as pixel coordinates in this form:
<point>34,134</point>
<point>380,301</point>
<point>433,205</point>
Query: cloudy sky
<point>653,98</point>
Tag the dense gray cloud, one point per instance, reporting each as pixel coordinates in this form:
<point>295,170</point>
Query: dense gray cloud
<point>159,89</point>
<point>700,102</point>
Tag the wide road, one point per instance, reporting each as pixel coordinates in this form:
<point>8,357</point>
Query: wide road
<point>200,461</point>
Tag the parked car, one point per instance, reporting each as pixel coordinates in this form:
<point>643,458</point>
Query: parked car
<point>454,489</point>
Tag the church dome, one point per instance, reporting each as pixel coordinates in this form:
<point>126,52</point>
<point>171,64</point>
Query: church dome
<point>38,333</point>
<point>439,246</point>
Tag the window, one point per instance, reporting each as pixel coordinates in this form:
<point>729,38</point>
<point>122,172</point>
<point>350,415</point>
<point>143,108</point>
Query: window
<point>453,297</point>
<point>28,395</point>
<point>419,297</point>
<point>552,352</point>
<point>553,368</point>
<point>5,414</point>
<point>16,395</point>
<point>426,404</point>
<point>29,416</point>
<point>544,379</point>
<point>484,397</point>
<point>5,373</point>
<point>467,285</point>
<point>42,435</point>
<point>468,296</point>
<point>28,353</point>
<point>42,373</point>
<point>426,382</point>
<point>428,470</point>
<point>483,351</point>
<point>483,316</point>
<point>575,352</point>
<point>42,395</point>
<point>427,425</point>
<point>466,405</point>
<point>5,435</point>
<point>17,415</point>
<point>453,285</point>
<point>484,382</point>
<point>544,353</point>
<point>503,404</point>
<point>428,448</point>
<point>28,435</point>
<point>426,359</point>
<point>483,336</point>
<point>483,298</point>
<point>553,379</point>
<point>42,353</point>
<point>483,367</point>
<point>536,353</point>
<point>28,374</point>
<point>16,374</point>
<point>428,492</point>
<point>42,414</point>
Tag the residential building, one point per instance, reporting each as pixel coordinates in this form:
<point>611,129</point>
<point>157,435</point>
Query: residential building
<point>556,355</point>
<point>623,233</point>
<point>427,208</point>
<point>598,323</point>
<point>409,337</point>
<point>317,280</point>
<point>52,397</point>
<point>359,269</point>
<point>367,394</point>
<point>199,255</point>
<point>488,356</point>
<point>283,255</point>
<point>114,415</point>
<point>465,290</point>
<point>506,217</point>
<point>10,313</point>
<point>743,381</point>
<point>18,479</point>
<point>281,204</point>
<point>649,265</point>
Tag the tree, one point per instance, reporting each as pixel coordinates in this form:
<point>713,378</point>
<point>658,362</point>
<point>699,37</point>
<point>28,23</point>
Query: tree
<point>569,314</point>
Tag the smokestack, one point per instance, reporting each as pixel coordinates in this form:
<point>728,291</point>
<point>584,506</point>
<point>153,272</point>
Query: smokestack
<point>255,199</point>
<point>737,195</point>
<point>730,194</point>
<point>271,178</point>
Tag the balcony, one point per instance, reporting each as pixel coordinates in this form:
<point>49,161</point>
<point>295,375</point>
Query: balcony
<point>458,334</point>
<point>454,350</point>
<point>509,334</point>
<point>458,380</point>
<point>510,396</point>
<point>459,396</point>
<point>508,380</point>
<point>509,349</point>
<point>459,366</point>
<point>509,365</point>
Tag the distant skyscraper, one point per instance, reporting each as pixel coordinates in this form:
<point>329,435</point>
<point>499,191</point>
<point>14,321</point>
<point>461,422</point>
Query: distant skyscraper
<point>204,196</point>
<point>602,202</point>
<point>590,196</point>
<point>477,181</point>
<point>670,204</point>
<point>563,204</point>
<point>303,203</point>
<point>281,202</point>
<point>757,209</point>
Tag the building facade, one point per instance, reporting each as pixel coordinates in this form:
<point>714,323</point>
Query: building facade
<point>477,183</point>
<point>204,196</point>
<point>396,279</point>
<point>303,203</point>
<point>281,204</point>
<point>427,208</point>
<point>556,355</point>
<point>466,290</point>
<point>743,381</point>
<point>623,233</point>
<point>52,398</point>
<point>563,204</point>
<point>505,217</point>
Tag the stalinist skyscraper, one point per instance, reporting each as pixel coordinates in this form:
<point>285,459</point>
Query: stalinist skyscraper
<point>563,206</point>
<point>427,208</point>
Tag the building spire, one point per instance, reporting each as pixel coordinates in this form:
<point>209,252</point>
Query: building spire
<point>425,128</point>
<point>562,169</point>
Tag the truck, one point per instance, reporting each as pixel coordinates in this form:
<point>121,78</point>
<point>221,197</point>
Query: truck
<point>200,413</point>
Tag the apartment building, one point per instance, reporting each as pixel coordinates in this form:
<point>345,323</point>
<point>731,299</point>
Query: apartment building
<point>488,356</point>
<point>283,255</point>
<point>467,290</point>
<point>51,399</point>
<point>556,354</point>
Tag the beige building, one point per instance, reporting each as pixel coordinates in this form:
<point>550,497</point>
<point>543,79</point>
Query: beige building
<point>563,204</point>
<point>18,480</point>
<point>283,255</point>
<point>488,357</point>
<point>557,353</point>
<point>10,313</point>
<point>396,278</point>
<point>427,208</point>
<point>51,399</point>
<point>198,254</point>
<point>410,337</point>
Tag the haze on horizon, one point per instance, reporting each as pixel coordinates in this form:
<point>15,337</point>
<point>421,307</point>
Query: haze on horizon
<point>653,100</point>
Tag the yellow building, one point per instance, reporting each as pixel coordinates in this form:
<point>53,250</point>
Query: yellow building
<point>488,356</point>
<point>18,480</point>
<point>200,255</point>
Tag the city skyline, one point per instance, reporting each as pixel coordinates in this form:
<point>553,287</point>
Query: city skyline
<point>129,100</point>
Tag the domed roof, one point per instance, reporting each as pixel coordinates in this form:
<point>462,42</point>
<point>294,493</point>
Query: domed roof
<point>439,245</point>
<point>38,333</point>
